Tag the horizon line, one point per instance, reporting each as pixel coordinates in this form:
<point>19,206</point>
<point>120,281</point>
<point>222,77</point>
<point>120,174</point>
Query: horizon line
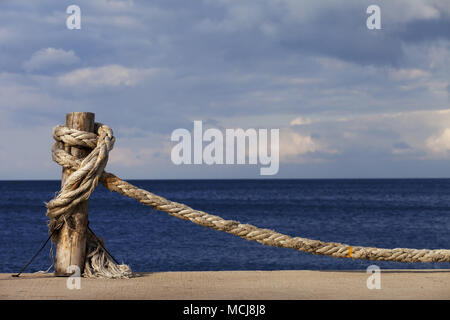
<point>256,179</point>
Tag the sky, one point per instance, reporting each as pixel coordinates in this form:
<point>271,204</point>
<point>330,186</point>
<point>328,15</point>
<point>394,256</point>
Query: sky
<point>349,102</point>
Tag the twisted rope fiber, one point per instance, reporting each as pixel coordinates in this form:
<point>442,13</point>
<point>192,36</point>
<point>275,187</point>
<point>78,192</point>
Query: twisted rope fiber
<point>89,171</point>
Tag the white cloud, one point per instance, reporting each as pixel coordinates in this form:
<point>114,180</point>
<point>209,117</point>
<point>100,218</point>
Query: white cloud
<point>106,76</point>
<point>422,134</point>
<point>49,58</point>
<point>440,143</point>
<point>409,74</point>
<point>28,97</point>
<point>294,146</point>
<point>300,121</point>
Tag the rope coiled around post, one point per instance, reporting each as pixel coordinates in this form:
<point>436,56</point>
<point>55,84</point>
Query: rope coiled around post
<point>79,186</point>
<point>89,171</point>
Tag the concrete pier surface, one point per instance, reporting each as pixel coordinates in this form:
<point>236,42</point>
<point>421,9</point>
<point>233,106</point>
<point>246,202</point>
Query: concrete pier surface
<point>236,285</point>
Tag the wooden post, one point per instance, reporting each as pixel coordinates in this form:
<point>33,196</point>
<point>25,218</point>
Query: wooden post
<point>71,242</point>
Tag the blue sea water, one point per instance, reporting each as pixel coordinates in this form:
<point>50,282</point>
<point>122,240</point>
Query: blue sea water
<point>412,213</point>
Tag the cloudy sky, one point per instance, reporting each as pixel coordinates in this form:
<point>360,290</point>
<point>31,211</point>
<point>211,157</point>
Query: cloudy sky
<point>349,102</point>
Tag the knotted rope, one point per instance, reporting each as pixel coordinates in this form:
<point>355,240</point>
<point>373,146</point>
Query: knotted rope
<point>79,186</point>
<point>89,171</point>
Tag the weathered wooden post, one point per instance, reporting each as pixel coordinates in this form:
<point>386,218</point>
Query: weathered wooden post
<point>71,241</point>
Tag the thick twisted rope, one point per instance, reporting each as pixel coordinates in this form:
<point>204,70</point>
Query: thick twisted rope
<point>82,182</point>
<point>79,186</point>
<point>91,171</point>
<point>270,237</point>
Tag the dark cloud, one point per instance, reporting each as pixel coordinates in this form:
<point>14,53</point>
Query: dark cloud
<point>401,145</point>
<point>426,30</point>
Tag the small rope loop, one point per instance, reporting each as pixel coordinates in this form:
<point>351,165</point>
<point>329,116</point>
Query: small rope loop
<point>75,138</point>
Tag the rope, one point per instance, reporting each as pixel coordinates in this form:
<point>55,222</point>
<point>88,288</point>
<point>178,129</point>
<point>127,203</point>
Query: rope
<point>270,237</point>
<point>89,171</point>
<point>78,187</point>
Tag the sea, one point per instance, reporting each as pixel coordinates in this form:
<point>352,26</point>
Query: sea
<point>385,213</point>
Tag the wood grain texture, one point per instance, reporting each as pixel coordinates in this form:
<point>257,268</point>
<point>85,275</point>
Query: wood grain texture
<point>71,242</point>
